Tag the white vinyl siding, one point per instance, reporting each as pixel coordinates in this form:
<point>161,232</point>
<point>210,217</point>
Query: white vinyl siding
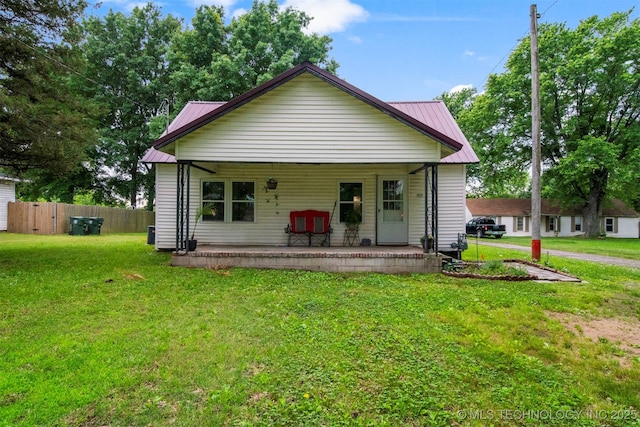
<point>451,205</point>
<point>307,120</point>
<point>7,194</point>
<point>299,187</point>
<point>165,206</point>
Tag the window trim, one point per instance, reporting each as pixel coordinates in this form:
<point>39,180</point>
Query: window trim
<point>606,226</point>
<point>362,199</point>
<point>228,200</point>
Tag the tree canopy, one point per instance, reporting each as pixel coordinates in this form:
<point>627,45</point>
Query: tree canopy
<point>127,55</point>
<point>45,126</point>
<point>590,110</point>
<point>149,62</point>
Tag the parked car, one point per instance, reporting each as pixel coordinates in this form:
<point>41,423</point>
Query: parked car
<point>485,227</point>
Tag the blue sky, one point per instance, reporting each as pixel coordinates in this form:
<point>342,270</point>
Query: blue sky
<point>408,50</point>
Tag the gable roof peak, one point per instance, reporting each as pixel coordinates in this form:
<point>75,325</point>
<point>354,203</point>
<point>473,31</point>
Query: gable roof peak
<point>324,75</point>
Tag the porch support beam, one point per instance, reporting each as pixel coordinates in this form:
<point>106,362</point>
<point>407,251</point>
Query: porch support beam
<point>193,165</point>
<point>420,169</point>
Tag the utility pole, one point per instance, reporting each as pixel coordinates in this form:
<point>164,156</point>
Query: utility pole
<point>535,138</point>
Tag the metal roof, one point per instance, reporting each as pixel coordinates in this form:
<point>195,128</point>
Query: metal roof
<point>522,207</point>
<point>431,118</point>
<point>192,111</point>
<point>436,115</point>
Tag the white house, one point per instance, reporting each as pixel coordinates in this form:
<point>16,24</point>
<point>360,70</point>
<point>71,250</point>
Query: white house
<point>617,220</point>
<point>7,194</point>
<point>328,143</point>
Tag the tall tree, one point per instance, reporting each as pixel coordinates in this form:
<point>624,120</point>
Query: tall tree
<point>192,53</point>
<point>216,63</point>
<point>45,126</point>
<point>489,178</point>
<point>127,56</point>
<point>590,102</point>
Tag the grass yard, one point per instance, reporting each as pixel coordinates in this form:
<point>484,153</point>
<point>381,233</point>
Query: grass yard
<point>99,330</point>
<point>622,248</point>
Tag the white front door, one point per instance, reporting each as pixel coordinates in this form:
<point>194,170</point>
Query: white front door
<point>392,218</point>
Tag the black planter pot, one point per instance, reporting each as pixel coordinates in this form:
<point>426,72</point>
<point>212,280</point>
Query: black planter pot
<point>272,185</point>
<point>191,245</point>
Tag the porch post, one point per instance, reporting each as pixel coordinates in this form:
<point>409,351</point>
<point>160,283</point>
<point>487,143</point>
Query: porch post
<point>425,245</point>
<point>430,207</point>
<point>434,205</point>
<point>183,179</point>
<point>188,204</point>
<point>179,207</point>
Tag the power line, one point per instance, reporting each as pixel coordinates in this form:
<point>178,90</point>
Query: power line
<point>513,48</point>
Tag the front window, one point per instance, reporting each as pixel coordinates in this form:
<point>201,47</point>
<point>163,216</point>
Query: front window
<point>608,225</point>
<point>350,200</point>
<point>213,195</point>
<point>243,201</point>
<point>229,201</point>
<point>578,224</point>
<point>520,223</point>
<point>552,223</point>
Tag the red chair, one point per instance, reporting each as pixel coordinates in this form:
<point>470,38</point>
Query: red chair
<point>310,227</point>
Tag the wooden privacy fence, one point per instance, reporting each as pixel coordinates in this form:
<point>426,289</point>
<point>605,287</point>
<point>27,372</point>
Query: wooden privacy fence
<point>53,218</point>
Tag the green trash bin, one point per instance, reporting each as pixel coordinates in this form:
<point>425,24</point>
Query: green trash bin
<point>79,226</point>
<point>94,224</point>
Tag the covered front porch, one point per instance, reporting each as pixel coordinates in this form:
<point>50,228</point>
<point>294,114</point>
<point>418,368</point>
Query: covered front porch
<point>378,259</point>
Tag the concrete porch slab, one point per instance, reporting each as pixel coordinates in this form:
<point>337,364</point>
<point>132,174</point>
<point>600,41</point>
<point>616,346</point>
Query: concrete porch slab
<point>379,259</point>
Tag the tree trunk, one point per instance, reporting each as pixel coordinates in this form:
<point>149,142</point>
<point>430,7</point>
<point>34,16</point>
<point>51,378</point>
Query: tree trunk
<point>592,210</point>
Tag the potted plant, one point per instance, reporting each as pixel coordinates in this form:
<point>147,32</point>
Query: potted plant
<point>207,209</point>
<point>271,184</point>
<point>353,218</point>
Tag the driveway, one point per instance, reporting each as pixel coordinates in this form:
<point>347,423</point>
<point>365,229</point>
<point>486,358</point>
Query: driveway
<point>603,259</point>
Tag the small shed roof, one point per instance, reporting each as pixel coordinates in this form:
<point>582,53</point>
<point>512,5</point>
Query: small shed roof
<point>522,207</point>
<point>4,177</point>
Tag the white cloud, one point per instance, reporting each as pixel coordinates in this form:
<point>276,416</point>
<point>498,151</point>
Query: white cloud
<point>224,3</point>
<point>238,13</point>
<point>460,88</point>
<point>355,39</point>
<point>329,16</point>
<point>468,53</point>
<point>129,6</point>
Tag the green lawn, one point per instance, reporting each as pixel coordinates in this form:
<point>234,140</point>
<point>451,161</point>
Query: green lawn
<point>622,248</point>
<point>99,330</point>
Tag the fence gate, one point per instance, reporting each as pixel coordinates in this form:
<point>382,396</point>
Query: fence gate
<point>53,218</point>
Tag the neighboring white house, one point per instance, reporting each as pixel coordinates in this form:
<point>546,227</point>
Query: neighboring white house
<point>7,194</point>
<point>617,220</point>
<point>326,142</point>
